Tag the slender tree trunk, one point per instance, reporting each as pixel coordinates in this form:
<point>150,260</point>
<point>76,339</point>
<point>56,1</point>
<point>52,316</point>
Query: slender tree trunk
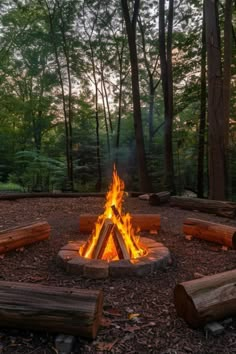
<point>216,130</point>
<point>105,119</point>
<point>227,82</point>
<point>70,108</point>
<point>104,89</point>
<point>59,71</point>
<point>165,51</point>
<point>120,54</point>
<point>202,123</point>
<point>138,128</point>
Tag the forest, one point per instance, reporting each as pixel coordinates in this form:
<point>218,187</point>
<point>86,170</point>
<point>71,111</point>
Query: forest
<point>148,86</point>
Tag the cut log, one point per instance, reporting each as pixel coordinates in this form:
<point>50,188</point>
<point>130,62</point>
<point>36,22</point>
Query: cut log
<point>102,239</point>
<point>210,231</point>
<point>159,198</point>
<point>218,207</point>
<point>15,196</point>
<point>52,309</point>
<point>145,222</point>
<point>20,236</point>
<point>207,299</point>
<point>120,245</point>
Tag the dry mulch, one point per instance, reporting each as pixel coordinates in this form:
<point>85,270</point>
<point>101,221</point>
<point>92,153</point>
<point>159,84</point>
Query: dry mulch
<point>156,329</point>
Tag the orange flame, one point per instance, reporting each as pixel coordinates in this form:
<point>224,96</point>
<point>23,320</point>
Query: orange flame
<point>113,212</point>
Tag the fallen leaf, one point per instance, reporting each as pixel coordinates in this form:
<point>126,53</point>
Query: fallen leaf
<point>132,316</point>
<point>224,248</point>
<point>188,237</point>
<point>112,312</point>
<point>106,346</point>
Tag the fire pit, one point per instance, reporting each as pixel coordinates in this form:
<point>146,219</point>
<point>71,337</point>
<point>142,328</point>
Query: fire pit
<point>113,248</point>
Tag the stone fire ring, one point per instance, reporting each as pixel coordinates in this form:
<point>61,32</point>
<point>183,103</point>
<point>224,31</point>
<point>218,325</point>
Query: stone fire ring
<point>158,257</point>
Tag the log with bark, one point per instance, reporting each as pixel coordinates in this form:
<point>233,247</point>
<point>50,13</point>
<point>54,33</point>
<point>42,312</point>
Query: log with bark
<point>218,207</point>
<point>159,198</point>
<point>210,231</point>
<point>145,222</point>
<point>207,299</point>
<point>21,236</point>
<point>15,196</point>
<point>52,309</point>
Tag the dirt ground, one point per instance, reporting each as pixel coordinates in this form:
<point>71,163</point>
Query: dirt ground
<point>157,329</point>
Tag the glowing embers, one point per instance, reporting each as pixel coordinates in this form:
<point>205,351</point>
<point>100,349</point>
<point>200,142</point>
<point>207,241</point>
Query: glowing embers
<point>113,237</point>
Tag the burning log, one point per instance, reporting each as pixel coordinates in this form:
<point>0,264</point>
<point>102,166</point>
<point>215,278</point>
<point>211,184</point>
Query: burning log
<point>53,309</point>
<point>120,245</point>
<point>223,234</point>
<point>206,299</point>
<point>145,222</point>
<point>159,198</point>
<point>218,207</point>
<point>102,240</point>
<point>20,236</point>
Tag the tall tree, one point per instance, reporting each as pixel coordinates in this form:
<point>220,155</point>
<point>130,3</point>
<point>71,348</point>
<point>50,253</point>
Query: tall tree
<point>202,123</point>
<point>131,18</point>
<point>227,81</point>
<point>216,129</point>
<point>165,50</point>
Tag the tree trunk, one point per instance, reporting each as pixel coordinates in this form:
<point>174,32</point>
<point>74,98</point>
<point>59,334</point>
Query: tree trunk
<point>218,207</point>
<point>202,123</point>
<point>49,308</point>
<point>59,71</point>
<point>138,128</point>
<point>144,222</point>
<point>165,50</point>
<point>17,237</point>
<point>206,299</point>
<point>210,231</point>
<point>227,83</point>
<point>216,130</point>
<point>159,198</point>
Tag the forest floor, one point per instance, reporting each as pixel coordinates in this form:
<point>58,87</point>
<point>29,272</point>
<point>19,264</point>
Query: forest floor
<point>157,329</point>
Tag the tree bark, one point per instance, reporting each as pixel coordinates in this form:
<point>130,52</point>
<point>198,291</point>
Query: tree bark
<point>206,299</point>
<point>210,231</point>
<point>227,82</point>
<point>202,123</point>
<point>159,198</point>
<point>218,207</point>
<point>13,238</point>
<point>52,309</point>
<point>216,130</point>
<point>165,49</point>
<point>144,222</point>
<point>138,128</point>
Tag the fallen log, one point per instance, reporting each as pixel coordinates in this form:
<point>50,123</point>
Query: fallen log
<point>21,236</point>
<point>52,309</point>
<point>15,196</point>
<point>218,207</point>
<point>159,198</point>
<point>210,231</point>
<point>207,299</point>
<point>145,222</point>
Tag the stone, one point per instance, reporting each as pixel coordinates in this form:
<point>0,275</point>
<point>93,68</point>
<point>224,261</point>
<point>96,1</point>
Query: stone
<point>76,265</point>
<point>64,343</point>
<point>64,256</point>
<point>121,268</point>
<point>96,269</point>
<point>214,328</point>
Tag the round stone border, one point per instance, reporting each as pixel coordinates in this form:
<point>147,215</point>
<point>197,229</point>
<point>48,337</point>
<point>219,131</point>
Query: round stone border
<point>158,257</point>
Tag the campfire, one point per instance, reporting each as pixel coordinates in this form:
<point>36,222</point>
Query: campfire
<point>113,237</point>
<point>114,248</point>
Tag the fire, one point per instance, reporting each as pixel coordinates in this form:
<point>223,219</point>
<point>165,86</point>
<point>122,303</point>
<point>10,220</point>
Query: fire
<point>113,229</point>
